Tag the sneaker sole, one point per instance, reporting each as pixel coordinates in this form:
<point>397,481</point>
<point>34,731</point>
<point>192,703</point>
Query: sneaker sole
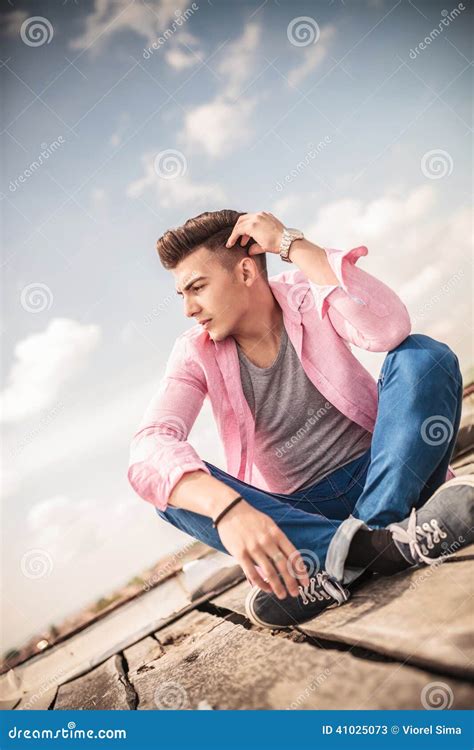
<point>249,611</point>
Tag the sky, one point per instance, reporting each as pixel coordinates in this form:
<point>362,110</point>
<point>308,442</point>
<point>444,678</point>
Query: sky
<point>351,121</point>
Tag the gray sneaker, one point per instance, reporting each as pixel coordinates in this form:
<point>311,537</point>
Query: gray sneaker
<point>442,526</point>
<point>268,611</point>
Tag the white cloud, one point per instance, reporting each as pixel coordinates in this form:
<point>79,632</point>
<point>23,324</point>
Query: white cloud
<point>351,220</point>
<point>137,187</point>
<point>184,191</point>
<point>420,284</point>
<point>312,56</point>
<point>67,528</point>
<point>109,17</point>
<point>110,416</point>
<point>219,126</point>
<point>10,23</point>
<point>173,192</point>
<point>283,206</point>
<point>415,248</point>
<point>180,59</point>
<point>116,138</point>
<point>237,60</point>
<point>183,51</point>
<point>112,419</point>
<point>44,362</point>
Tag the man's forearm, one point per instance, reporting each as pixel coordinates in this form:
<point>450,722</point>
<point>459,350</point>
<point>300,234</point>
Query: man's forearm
<point>312,260</point>
<point>201,493</point>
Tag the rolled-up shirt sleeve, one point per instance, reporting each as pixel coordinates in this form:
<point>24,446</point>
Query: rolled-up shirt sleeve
<point>363,310</point>
<point>159,451</point>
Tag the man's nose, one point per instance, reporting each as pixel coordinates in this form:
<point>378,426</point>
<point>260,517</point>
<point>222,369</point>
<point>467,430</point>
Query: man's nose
<point>190,307</point>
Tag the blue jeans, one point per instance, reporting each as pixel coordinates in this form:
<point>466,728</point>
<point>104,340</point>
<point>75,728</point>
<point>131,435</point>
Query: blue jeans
<point>419,411</point>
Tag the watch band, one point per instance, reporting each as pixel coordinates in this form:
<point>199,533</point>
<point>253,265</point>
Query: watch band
<point>288,236</point>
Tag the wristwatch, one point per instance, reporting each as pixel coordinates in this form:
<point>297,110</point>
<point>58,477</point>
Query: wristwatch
<point>286,239</point>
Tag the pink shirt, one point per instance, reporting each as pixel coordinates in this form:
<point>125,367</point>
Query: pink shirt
<point>321,321</point>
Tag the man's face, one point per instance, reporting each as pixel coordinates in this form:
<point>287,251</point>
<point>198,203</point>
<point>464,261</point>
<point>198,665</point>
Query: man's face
<point>210,292</point>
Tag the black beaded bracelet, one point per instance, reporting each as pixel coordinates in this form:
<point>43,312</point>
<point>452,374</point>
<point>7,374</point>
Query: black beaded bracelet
<point>223,512</point>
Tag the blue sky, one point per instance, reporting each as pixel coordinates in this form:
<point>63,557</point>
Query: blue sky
<point>331,115</point>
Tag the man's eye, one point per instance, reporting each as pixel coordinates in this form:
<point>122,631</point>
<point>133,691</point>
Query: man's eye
<point>197,288</point>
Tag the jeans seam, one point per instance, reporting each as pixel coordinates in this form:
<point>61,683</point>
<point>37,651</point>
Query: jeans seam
<point>353,482</point>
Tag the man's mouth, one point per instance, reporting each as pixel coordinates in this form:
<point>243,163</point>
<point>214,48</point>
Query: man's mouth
<point>205,322</point>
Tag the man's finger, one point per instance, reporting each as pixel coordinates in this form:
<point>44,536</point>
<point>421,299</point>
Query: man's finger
<point>295,563</point>
<point>252,574</point>
<point>264,562</point>
<point>235,232</point>
<point>284,568</point>
<point>256,249</point>
<point>241,224</point>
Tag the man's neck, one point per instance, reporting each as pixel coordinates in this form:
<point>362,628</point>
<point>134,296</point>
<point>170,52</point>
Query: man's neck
<point>259,332</point>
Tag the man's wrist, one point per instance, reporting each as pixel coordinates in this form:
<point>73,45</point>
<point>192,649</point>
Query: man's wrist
<point>222,500</point>
<point>227,510</point>
<point>313,261</point>
<point>202,493</point>
<point>288,237</point>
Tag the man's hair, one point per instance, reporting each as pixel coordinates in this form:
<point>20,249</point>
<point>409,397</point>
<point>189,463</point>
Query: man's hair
<point>210,229</point>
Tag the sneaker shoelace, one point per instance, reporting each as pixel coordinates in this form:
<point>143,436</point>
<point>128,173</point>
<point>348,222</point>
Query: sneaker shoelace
<point>320,588</point>
<point>420,539</point>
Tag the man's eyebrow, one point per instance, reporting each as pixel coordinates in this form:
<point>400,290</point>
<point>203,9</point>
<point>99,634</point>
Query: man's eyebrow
<point>190,283</point>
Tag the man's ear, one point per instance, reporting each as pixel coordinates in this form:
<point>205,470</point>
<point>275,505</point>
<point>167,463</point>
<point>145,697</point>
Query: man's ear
<point>249,269</point>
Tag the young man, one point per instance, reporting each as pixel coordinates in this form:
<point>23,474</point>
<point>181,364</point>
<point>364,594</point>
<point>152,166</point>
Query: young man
<point>330,473</point>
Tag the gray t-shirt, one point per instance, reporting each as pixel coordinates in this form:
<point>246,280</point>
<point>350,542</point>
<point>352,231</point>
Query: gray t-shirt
<point>299,436</point>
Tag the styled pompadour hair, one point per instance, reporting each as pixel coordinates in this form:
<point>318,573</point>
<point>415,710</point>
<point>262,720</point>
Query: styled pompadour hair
<point>210,229</point>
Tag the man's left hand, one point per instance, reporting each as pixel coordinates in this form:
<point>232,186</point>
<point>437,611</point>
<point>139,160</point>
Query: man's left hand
<point>264,228</point>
